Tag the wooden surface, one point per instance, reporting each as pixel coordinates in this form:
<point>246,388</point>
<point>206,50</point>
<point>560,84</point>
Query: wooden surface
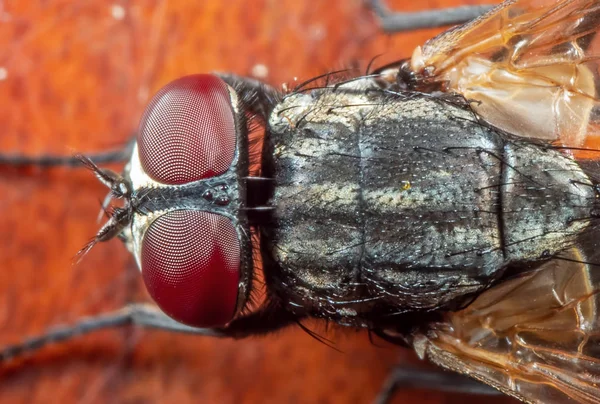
<point>74,76</point>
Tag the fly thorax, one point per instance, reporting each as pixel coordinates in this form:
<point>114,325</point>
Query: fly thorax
<point>391,203</point>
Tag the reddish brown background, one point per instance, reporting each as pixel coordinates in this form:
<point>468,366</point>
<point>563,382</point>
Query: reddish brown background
<point>74,76</point>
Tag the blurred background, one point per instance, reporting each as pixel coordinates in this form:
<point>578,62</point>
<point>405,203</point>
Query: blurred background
<point>74,77</point>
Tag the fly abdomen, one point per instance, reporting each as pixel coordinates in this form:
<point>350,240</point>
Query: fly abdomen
<point>388,204</point>
<point>547,201</point>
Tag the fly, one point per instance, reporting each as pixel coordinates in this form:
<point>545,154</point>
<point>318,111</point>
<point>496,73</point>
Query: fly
<point>484,263</point>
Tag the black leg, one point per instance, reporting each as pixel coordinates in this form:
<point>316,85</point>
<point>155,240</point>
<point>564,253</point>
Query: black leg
<point>138,314</point>
<point>269,318</point>
<point>407,377</point>
<point>398,21</point>
<point>112,156</point>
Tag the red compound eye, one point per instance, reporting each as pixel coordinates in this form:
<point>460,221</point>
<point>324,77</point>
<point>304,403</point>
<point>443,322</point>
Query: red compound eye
<point>187,132</point>
<point>191,266</point>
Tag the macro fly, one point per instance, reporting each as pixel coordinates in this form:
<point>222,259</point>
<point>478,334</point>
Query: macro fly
<point>448,203</point>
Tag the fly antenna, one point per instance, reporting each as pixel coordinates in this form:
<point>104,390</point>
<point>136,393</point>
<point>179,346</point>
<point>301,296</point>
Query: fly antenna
<point>105,176</point>
<point>84,250</point>
<point>119,187</point>
<point>119,218</point>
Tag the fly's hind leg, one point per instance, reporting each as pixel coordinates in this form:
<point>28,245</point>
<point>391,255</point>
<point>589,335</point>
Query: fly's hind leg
<point>407,21</point>
<point>407,377</point>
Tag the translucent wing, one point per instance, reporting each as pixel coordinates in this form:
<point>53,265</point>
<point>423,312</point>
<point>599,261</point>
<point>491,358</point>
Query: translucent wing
<point>531,65</point>
<point>536,337</point>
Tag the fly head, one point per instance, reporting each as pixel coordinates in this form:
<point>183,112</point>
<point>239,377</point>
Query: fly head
<point>182,217</point>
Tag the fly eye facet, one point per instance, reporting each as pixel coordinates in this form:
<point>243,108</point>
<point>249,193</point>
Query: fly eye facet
<point>188,131</point>
<point>191,266</point>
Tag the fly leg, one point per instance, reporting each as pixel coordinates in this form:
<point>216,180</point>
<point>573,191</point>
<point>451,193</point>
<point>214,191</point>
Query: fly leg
<point>407,377</point>
<point>270,317</point>
<point>407,21</point>
<point>133,314</point>
<point>111,156</point>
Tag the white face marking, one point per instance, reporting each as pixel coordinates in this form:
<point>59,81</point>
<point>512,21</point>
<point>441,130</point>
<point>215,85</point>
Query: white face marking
<point>137,175</point>
<point>134,233</point>
<point>136,230</point>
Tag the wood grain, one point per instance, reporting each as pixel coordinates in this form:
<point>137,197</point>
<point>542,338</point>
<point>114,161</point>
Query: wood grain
<point>74,76</point>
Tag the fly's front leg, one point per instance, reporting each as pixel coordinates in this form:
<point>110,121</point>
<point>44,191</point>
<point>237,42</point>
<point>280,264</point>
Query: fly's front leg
<point>270,317</point>
<point>120,155</point>
<point>407,21</point>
